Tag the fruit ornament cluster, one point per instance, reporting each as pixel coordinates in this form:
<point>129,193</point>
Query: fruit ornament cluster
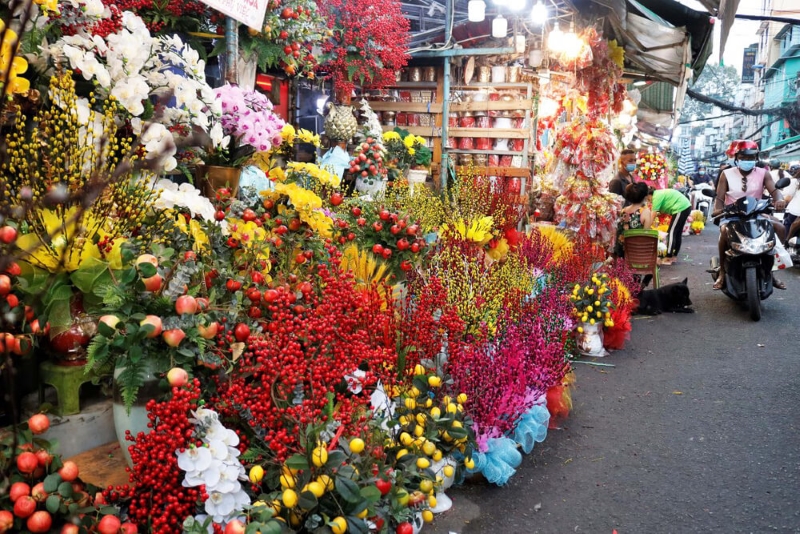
<point>392,237</point>
<point>46,493</point>
<point>18,323</point>
<point>367,163</point>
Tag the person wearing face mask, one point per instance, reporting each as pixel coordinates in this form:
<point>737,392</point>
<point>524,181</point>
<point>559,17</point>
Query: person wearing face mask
<point>627,164</point>
<point>728,163</point>
<point>741,180</point>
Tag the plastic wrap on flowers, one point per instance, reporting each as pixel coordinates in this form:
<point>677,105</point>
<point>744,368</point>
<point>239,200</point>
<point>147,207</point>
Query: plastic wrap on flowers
<point>499,462</point>
<point>587,145</point>
<point>532,426</point>
<point>559,401</point>
<point>614,337</point>
<point>594,218</point>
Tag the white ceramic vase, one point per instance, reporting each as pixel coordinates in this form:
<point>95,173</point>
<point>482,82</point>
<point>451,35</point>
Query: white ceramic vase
<point>443,502</point>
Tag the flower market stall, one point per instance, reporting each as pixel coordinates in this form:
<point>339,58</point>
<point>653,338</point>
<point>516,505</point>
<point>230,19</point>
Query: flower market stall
<point>276,356</point>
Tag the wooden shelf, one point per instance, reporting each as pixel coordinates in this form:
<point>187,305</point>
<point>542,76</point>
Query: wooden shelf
<point>422,131</point>
<point>478,85</point>
<point>408,107</point>
<point>413,85</point>
<point>490,152</point>
<point>495,133</point>
<point>489,105</point>
<point>510,172</point>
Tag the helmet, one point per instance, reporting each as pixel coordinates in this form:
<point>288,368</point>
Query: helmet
<point>733,148</point>
<point>747,148</point>
<point>793,169</point>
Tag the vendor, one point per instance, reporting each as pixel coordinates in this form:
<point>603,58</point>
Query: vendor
<point>626,166</point>
<point>675,204</point>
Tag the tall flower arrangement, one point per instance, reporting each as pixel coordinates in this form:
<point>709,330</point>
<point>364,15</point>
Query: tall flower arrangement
<point>133,66</point>
<point>367,43</point>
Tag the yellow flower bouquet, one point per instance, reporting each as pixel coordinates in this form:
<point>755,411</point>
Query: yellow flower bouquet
<point>592,301</point>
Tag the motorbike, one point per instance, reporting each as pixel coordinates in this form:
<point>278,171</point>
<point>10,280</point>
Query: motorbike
<point>750,255</point>
<point>702,202</point>
<point>793,247</point>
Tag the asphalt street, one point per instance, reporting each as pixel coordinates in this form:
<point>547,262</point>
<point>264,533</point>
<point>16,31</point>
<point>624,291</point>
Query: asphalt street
<point>695,429</point>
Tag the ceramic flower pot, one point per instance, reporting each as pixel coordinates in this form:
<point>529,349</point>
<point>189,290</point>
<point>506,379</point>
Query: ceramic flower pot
<point>213,177</point>
<point>134,419</point>
<point>443,502</point>
<point>373,188</point>
<point>417,176</point>
<point>590,341</point>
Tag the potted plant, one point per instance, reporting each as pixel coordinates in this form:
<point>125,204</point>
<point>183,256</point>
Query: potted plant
<point>246,126</point>
<point>409,154</point>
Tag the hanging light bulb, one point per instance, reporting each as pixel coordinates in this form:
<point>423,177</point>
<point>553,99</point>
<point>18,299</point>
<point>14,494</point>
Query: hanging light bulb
<point>476,10</point>
<point>555,41</point>
<point>539,13</point>
<point>499,27</point>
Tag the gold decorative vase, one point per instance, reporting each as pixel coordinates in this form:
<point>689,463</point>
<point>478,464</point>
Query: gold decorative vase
<point>212,177</point>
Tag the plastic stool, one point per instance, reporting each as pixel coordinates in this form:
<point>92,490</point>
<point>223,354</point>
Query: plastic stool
<point>67,381</point>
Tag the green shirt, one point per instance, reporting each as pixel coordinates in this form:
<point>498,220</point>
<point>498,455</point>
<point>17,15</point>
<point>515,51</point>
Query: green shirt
<point>669,201</point>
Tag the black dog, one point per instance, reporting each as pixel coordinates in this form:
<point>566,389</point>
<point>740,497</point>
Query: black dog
<point>670,298</point>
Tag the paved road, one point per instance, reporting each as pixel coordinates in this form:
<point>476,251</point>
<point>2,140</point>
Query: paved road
<point>696,429</point>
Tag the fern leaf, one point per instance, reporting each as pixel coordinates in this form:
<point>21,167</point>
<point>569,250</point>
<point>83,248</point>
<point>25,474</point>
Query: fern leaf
<point>130,380</point>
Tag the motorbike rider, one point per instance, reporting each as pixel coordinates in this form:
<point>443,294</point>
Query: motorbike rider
<point>728,163</point>
<point>744,179</point>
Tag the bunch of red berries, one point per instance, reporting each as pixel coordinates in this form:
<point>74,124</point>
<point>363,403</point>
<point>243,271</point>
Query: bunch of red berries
<point>158,499</point>
<point>292,375</point>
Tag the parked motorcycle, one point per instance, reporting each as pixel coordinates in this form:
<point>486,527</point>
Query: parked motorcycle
<point>750,255</point>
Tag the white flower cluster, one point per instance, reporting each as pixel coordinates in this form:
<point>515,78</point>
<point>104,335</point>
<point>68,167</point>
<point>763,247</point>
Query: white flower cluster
<point>183,196</point>
<point>133,66</point>
<point>216,465</point>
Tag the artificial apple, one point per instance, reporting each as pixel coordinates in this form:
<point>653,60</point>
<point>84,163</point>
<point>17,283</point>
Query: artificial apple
<point>155,322</point>
<point>24,506</point>
<point>208,331</point>
<point>5,284</point>
<point>384,486</point>
<point>173,337</point>
<point>177,377</point>
<point>27,463</point>
<point>8,234</point>
<point>241,332</point>
<point>337,198</point>
<point>149,258</point>
<point>110,320</point>
<point>38,492</point>
<point>19,489</point>
<point>6,521</point>
<point>186,304</point>
<point>69,471</point>
<point>39,423</point>
<point>109,525</point>
<point>234,527</point>
<point>153,283</point>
